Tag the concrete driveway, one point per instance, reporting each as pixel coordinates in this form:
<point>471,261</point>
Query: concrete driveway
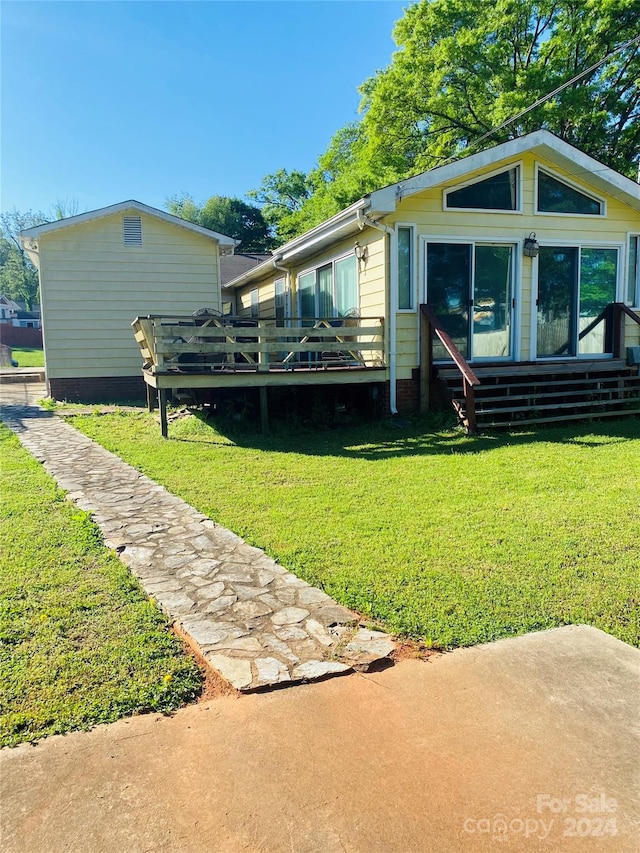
<point>526,744</point>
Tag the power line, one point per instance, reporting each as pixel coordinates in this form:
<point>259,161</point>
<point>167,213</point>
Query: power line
<point>542,100</point>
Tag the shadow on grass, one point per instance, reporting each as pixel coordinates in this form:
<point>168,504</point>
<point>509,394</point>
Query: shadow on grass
<point>397,438</point>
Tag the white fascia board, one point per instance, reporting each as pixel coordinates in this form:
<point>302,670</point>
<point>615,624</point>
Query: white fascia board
<point>594,173</point>
<point>312,241</point>
<point>122,207</point>
<point>384,200</point>
<point>540,142</point>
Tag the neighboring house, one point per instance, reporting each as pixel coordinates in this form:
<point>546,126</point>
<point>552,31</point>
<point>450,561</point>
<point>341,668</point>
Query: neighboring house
<point>14,313</point>
<point>8,310</point>
<point>101,269</point>
<point>525,254</point>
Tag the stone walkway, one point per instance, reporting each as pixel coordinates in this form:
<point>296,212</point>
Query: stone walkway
<point>254,622</point>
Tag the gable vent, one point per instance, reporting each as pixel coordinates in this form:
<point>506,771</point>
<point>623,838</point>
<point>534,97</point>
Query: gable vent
<point>132,230</point>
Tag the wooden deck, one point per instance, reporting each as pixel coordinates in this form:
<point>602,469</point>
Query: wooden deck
<point>205,351</point>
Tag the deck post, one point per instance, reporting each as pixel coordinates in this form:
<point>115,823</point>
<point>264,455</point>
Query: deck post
<point>619,327</point>
<point>162,401</point>
<point>151,400</point>
<point>470,406</point>
<point>264,409</point>
<point>425,363</point>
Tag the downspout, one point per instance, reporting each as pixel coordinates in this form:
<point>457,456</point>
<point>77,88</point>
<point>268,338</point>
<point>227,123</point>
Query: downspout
<point>363,220</point>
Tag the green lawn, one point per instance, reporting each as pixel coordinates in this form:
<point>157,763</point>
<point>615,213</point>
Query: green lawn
<point>455,540</point>
<point>79,642</point>
<point>28,357</point>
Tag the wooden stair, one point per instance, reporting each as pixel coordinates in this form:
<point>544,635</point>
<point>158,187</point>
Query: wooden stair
<point>543,393</point>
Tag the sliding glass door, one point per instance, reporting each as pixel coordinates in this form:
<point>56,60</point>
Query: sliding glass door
<point>574,287</point>
<point>470,289</point>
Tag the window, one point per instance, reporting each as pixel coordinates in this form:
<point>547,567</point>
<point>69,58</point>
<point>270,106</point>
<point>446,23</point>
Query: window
<point>255,302</point>
<point>575,284</point>
<point>633,272</point>
<point>555,196</point>
<point>280,302</point>
<point>330,290</point>
<point>405,268</point>
<point>497,192</point>
<point>470,289</point>
<point>132,230</point>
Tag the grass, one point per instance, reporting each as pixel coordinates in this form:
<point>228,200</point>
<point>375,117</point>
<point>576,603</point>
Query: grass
<point>450,539</point>
<point>28,356</point>
<point>79,642</point>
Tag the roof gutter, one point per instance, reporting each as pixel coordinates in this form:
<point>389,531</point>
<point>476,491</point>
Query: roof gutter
<point>288,252</point>
<point>363,221</point>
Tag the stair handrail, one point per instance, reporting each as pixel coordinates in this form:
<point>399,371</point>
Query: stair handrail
<point>628,311</point>
<point>615,310</point>
<point>461,363</point>
<point>601,316</point>
<point>469,378</point>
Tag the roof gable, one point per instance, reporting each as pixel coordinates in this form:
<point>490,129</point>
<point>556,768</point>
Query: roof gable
<point>542,142</point>
<point>122,207</point>
<point>377,204</point>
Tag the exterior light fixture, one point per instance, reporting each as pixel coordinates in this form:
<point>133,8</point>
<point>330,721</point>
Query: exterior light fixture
<point>531,248</point>
<point>361,252</point>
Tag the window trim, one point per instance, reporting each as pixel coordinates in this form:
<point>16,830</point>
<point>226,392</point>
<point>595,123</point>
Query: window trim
<point>286,300</point>
<point>314,269</point>
<point>411,226</point>
<point>572,185</point>
<point>485,176</point>
<point>635,303</point>
<point>573,244</point>
<point>254,303</point>
<point>516,277</point>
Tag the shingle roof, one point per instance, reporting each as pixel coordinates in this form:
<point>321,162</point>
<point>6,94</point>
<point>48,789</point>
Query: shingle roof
<point>231,266</point>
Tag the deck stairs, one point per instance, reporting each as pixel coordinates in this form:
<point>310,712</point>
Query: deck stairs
<point>538,393</point>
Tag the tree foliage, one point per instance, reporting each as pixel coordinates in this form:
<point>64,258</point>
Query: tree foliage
<point>282,196</point>
<point>464,67</point>
<point>18,276</point>
<point>230,216</point>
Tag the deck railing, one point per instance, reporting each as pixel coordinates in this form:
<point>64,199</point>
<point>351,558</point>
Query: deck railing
<point>613,317</point>
<point>202,344</point>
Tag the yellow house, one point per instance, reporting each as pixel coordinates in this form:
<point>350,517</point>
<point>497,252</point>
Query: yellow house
<point>490,276</point>
<point>101,269</point>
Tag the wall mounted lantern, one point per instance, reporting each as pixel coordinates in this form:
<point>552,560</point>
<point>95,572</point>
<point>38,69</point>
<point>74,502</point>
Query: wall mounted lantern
<point>531,248</point>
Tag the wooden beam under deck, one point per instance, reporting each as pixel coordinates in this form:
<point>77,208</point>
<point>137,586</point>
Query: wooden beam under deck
<point>272,378</point>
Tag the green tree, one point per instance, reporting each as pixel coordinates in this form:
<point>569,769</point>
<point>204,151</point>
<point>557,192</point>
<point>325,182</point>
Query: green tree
<point>281,197</point>
<point>230,216</point>
<point>464,67</point>
<point>18,276</point>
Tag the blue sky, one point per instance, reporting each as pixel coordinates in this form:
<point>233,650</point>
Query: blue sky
<point>104,101</point>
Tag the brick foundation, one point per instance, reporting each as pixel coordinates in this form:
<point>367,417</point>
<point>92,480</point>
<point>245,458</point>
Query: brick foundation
<point>103,389</point>
<point>407,394</point>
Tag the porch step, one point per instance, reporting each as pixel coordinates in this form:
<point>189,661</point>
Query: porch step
<point>510,396</point>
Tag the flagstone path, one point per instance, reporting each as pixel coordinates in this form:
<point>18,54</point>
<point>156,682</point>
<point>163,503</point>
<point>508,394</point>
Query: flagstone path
<point>257,624</point>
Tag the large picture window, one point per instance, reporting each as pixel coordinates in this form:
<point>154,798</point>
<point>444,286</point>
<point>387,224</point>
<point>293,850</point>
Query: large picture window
<point>330,290</point>
<point>575,285</point>
<point>470,290</point>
